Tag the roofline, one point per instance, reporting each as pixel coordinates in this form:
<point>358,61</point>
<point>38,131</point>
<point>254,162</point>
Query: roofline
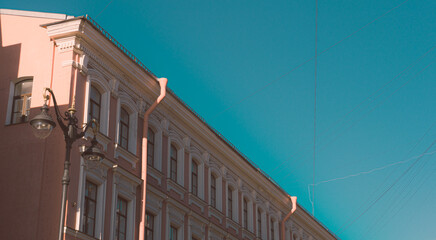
<point>22,13</point>
<point>171,92</point>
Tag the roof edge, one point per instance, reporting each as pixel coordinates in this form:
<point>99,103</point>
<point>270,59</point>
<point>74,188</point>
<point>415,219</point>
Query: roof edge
<point>22,13</point>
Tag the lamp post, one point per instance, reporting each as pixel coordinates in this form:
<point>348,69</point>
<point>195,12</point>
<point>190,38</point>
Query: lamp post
<point>43,125</point>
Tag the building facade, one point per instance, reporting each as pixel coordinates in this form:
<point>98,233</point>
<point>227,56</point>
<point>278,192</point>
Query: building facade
<point>199,186</point>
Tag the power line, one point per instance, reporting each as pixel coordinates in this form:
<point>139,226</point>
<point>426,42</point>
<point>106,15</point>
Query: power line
<point>387,190</point>
<point>372,170</point>
<point>309,59</point>
<point>371,110</point>
<point>314,107</point>
<point>375,93</point>
<point>401,72</point>
<point>103,9</point>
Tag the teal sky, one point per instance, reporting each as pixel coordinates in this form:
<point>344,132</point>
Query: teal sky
<point>375,94</point>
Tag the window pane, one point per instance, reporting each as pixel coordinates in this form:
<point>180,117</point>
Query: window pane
<point>95,95</point>
<point>18,105</point>
<point>173,152</point>
<point>26,87</point>
<point>124,116</point>
<point>90,227</point>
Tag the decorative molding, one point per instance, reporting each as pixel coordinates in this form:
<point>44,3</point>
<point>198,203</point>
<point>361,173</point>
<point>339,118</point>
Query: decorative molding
<point>187,143</point>
<point>216,213</point>
<point>165,125</point>
<point>113,85</point>
<point>206,157</point>
<point>176,187</point>
<point>128,156</point>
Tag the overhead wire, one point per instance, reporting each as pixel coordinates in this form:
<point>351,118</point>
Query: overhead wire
<point>314,107</point>
<point>382,184</point>
<point>308,60</point>
<point>375,95</point>
<point>370,97</point>
<point>367,113</point>
<point>346,226</point>
<point>372,109</point>
<point>103,9</point>
<point>404,194</point>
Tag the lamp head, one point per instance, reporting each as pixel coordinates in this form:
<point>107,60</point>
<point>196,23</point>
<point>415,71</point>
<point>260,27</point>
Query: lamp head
<point>93,153</point>
<point>42,124</point>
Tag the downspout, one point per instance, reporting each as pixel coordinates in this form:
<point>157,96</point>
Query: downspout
<point>163,90</point>
<point>294,207</point>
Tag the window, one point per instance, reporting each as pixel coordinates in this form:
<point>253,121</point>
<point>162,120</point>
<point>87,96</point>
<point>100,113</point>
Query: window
<point>173,163</point>
<point>121,220</point>
<point>213,191</point>
<point>150,147</point>
<point>94,105</point>
<point>272,229</point>
<point>245,213</point>
<point>259,223</point>
<point>90,208</point>
<point>149,226</point>
<point>230,202</point>
<point>194,178</point>
<point>21,101</point>
<point>173,233</point>
<point>124,129</point>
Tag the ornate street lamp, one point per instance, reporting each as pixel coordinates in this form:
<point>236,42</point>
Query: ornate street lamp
<point>43,125</point>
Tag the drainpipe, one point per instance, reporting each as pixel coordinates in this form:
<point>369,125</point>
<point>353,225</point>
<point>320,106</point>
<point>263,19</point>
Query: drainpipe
<point>294,207</point>
<point>163,86</point>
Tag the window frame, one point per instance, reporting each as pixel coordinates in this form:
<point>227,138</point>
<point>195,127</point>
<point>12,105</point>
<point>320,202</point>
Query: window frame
<point>173,232</point>
<point>150,147</point>
<point>126,126</point>
<point>194,178</point>
<point>149,229</point>
<point>213,190</point>
<point>91,104</point>
<point>173,162</point>
<point>259,222</point>
<point>245,213</point>
<point>124,185</point>
<point>230,202</point>
<point>86,208</point>
<point>11,100</point>
<point>119,215</point>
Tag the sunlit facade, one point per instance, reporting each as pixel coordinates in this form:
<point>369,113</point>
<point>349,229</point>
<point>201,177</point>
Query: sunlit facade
<point>199,186</point>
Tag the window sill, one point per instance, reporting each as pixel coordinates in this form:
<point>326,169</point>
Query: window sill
<point>130,157</point>
<point>101,138</point>
<point>246,233</point>
<point>176,187</point>
<point>216,213</point>
<point>232,224</point>
<point>79,235</point>
<point>194,199</point>
<point>15,124</point>
<point>154,173</point>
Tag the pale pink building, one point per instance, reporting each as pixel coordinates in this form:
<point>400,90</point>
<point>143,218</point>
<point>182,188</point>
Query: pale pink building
<point>199,186</point>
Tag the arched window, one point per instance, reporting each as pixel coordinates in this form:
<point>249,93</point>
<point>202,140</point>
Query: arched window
<point>173,163</point>
<point>213,191</point>
<point>94,107</point>
<point>245,213</point>
<point>123,139</point>
<point>90,207</point>
<point>150,147</point>
<point>21,101</point>
<point>271,225</point>
<point>259,222</point>
<point>194,178</point>
<point>230,202</point>
<point>121,220</point>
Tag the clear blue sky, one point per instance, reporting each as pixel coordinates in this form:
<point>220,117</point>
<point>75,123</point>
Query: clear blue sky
<point>212,50</point>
